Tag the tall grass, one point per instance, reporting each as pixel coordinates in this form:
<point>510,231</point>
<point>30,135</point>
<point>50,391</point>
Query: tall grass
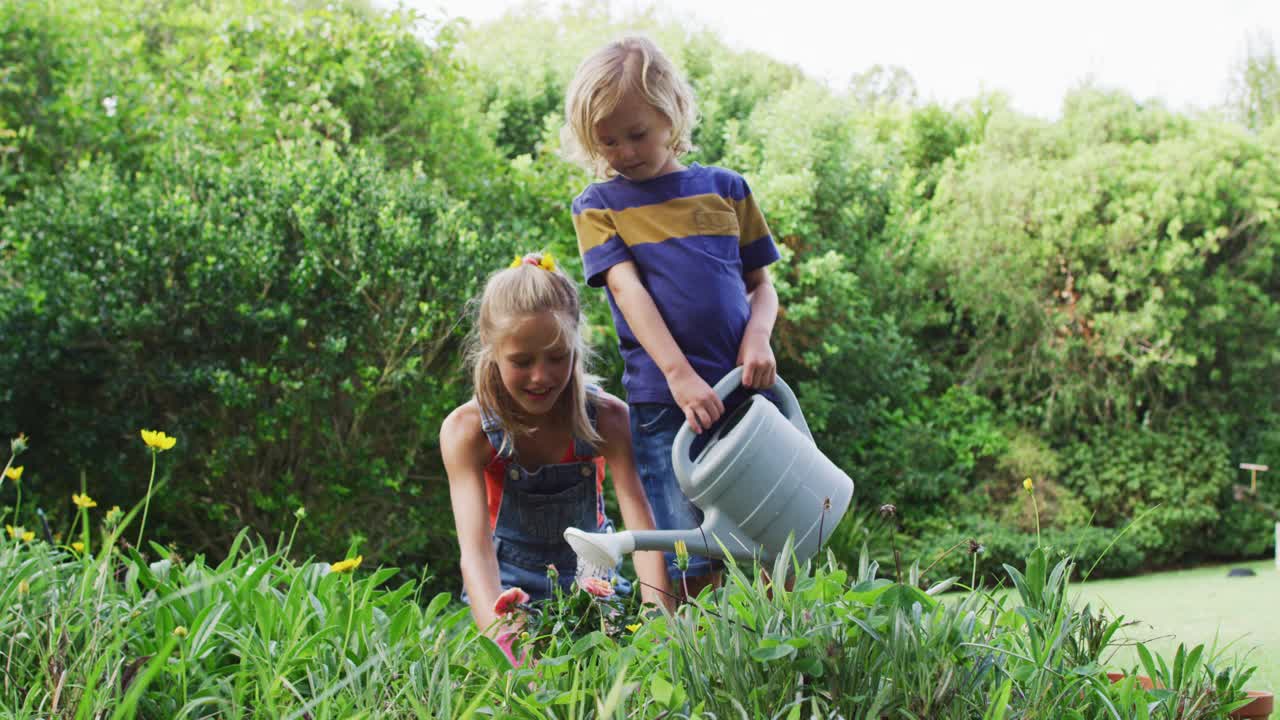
<point>104,631</point>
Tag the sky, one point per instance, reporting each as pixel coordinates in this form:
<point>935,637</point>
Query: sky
<point>1179,51</point>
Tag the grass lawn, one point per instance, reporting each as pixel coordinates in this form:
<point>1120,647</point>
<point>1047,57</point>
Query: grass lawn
<point>1199,606</point>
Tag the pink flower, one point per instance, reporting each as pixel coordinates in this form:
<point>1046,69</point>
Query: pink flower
<point>509,599</point>
<point>599,587</point>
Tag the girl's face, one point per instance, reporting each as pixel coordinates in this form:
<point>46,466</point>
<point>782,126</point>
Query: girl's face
<point>635,140</point>
<point>535,363</point>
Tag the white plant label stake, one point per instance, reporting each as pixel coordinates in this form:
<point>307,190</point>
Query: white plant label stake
<point>1254,469</point>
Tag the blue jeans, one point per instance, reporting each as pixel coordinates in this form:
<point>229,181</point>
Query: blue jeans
<point>653,432</point>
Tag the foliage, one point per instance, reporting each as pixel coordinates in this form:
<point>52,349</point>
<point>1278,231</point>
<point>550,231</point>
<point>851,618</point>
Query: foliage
<point>1176,475</point>
<point>191,193</point>
<point>294,318</point>
<point>93,626</point>
<point>1100,552</point>
<point>216,83</point>
<point>1110,267</point>
<point>260,636</point>
<point>1255,85</point>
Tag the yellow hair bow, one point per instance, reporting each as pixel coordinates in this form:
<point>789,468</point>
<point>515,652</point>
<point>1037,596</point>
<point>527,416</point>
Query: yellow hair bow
<point>544,261</point>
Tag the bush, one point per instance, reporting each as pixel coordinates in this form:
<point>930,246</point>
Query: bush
<point>1098,552</point>
<point>294,320</point>
<point>925,458</point>
<point>1174,477</point>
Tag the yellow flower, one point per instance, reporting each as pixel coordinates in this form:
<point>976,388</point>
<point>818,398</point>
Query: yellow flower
<point>634,627</point>
<point>20,533</point>
<point>13,473</point>
<point>1028,485</point>
<point>516,263</point>
<point>83,501</point>
<point>23,587</point>
<point>157,440</point>
<point>347,565</point>
<point>547,263</point>
<point>77,546</point>
<point>682,555</point>
<point>180,631</point>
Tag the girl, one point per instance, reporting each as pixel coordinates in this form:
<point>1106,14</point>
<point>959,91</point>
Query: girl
<point>526,456</point>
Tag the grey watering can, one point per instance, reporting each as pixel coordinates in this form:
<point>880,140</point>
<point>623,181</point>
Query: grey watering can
<point>759,478</point>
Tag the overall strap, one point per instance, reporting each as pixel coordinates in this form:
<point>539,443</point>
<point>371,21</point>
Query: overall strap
<point>582,448</point>
<point>498,438</point>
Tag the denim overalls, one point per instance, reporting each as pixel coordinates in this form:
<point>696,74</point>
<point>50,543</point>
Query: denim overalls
<point>536,508</point>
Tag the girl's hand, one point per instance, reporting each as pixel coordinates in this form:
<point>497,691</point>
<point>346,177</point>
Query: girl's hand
<point>701,406</point>
<point>505,641</point>
<point>759,368</point>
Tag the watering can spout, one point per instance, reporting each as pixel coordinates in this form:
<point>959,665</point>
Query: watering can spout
<point>716,537</point>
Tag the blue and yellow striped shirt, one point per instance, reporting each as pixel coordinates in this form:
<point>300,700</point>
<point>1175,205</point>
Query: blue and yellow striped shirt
<point>693,235</point>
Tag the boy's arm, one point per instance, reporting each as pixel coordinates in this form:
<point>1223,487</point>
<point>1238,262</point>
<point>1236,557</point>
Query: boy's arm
<point>700,404</point>
<point>755,355</point>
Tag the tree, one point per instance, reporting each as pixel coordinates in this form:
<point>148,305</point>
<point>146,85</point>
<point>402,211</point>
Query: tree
<point>1255,84</point>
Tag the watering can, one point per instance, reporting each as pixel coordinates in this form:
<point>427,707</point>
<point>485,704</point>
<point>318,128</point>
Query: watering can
<point>758,479</point>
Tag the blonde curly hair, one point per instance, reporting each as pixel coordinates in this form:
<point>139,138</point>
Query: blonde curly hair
<point>631,64</point>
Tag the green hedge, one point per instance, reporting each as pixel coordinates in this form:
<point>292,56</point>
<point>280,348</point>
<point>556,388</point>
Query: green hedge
<point>294,320</point>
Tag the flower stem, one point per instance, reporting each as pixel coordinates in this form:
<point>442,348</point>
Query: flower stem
<point>351,611</point>
<point>146,502</point>
<point>292,533</point>
<point>1036,507</point>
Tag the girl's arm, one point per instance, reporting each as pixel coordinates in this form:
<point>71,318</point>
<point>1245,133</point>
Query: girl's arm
<point>701,406</point>
<point>466,450</point>
<point>614,426</point>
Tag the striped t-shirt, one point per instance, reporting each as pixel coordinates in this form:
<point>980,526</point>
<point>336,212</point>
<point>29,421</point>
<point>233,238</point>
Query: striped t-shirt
<point>692,234</point>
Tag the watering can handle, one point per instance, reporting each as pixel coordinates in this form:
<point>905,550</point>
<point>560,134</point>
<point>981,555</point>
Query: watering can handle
<point>731,381</point>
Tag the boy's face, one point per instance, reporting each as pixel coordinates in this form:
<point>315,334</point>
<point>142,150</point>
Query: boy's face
<point>635,140</point>
<point>535,363</point>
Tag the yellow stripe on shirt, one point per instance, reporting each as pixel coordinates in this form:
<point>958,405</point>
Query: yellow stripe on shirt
<point>751,223</point>
<point>594,228</point>
<point>708,214</point>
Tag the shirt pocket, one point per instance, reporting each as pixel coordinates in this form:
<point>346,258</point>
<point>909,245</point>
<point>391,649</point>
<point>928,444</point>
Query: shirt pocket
<point>715,222</point>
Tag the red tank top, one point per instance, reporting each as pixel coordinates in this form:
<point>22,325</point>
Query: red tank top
<point>495,474</point>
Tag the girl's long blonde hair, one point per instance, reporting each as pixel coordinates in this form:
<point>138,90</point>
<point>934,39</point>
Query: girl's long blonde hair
<point>531,286</point>
<point>631,64</point>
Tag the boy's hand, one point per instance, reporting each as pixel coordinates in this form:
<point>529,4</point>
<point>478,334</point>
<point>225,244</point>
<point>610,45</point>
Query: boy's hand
<point>759,368</point>
<point>701,406</point>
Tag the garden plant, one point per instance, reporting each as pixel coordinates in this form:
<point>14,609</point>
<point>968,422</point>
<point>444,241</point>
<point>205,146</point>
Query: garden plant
<point>99,626</point>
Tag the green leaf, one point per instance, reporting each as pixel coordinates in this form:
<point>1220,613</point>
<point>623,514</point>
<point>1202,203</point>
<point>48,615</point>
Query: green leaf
<point>587,642</point>
<point>661,690</point>
<point>811,666</point>
<point>490,650</point>
<point>128,705</point>
<point>1000,704</point>
<point>772,650</point>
